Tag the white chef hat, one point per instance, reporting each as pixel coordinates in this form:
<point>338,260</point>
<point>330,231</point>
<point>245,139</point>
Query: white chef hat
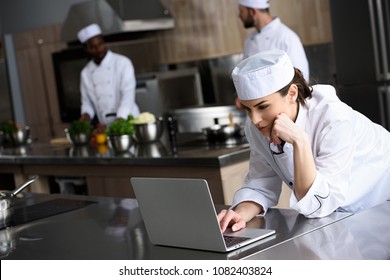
<point>262,74</point>
<point>88,32</point>
<point>256,4</point>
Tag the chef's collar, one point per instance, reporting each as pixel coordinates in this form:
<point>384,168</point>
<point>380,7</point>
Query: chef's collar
<point>270,26</point>
<point>302,116</point>
<point>107,58</point>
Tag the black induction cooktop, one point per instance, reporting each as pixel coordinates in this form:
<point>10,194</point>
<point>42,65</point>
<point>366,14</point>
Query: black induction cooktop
<point>17,216</point>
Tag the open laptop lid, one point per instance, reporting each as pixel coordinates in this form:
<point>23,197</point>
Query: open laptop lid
<point>180,212</point>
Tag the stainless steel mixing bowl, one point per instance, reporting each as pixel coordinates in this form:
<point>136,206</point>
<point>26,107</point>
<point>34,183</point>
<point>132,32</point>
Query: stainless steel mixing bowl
<point>20,135</point>
<point>149,132</point>
<point>120,143</point>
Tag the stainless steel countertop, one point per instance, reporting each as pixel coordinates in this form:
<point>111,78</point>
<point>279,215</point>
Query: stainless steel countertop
<point>365,235</point>
<point>112,228</point>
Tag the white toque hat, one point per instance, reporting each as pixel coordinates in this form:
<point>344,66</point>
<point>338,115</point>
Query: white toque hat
<point>88,32</point>
<point>262,74</point>
<point>257,4</point>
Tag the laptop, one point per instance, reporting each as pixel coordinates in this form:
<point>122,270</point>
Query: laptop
<point>180,213</point>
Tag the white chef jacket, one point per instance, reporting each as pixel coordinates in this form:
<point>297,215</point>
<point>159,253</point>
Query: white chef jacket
<point>276,35</point>
<point>109,88</point>
<point>351,155</point>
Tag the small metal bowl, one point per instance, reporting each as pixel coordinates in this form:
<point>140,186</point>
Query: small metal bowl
<point>149,132</point>
<point>77,139</point>
<point>120,143</point>
<point>20,136</point>
<point>80,139</point>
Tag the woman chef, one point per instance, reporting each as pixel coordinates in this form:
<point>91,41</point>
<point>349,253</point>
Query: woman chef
<point>107,81</point>
<point>332,157</point>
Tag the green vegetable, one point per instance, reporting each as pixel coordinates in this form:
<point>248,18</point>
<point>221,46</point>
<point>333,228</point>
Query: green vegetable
<point>8,127</point>
<point>120,127</point>
<point>78,127</point>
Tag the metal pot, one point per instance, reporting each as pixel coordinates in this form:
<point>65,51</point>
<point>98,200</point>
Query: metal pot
<point>222,133</point>
<point>194,119</point>
<point>6,198</point>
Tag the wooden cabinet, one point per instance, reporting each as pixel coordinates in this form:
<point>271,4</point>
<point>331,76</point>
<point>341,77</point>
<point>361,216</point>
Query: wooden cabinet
<point>114,180</point>
<point>33,51</point>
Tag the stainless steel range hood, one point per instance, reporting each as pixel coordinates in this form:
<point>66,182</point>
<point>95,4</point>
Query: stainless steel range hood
<point>116,16</point>
<point>140,15</point>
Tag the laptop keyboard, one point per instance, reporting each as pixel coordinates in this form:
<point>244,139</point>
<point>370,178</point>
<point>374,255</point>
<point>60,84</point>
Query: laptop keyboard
<point>233,240</point>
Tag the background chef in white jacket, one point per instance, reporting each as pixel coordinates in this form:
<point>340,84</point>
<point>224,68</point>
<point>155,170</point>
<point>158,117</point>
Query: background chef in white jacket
<point>332,157</point>
<point>270,33</point>
<point>107,81</point>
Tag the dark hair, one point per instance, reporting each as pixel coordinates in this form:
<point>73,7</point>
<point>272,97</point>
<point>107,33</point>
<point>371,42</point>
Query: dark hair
<point>304,90</point>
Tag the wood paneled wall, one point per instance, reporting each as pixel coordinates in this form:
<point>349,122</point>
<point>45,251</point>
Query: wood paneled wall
<point>203,29</point>
<point>310,19</point>
<point>208,29</point>
<point>33,54</point>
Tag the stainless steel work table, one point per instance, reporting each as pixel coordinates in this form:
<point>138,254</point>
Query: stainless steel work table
<point>364,235</point>
<point>112,228</point>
